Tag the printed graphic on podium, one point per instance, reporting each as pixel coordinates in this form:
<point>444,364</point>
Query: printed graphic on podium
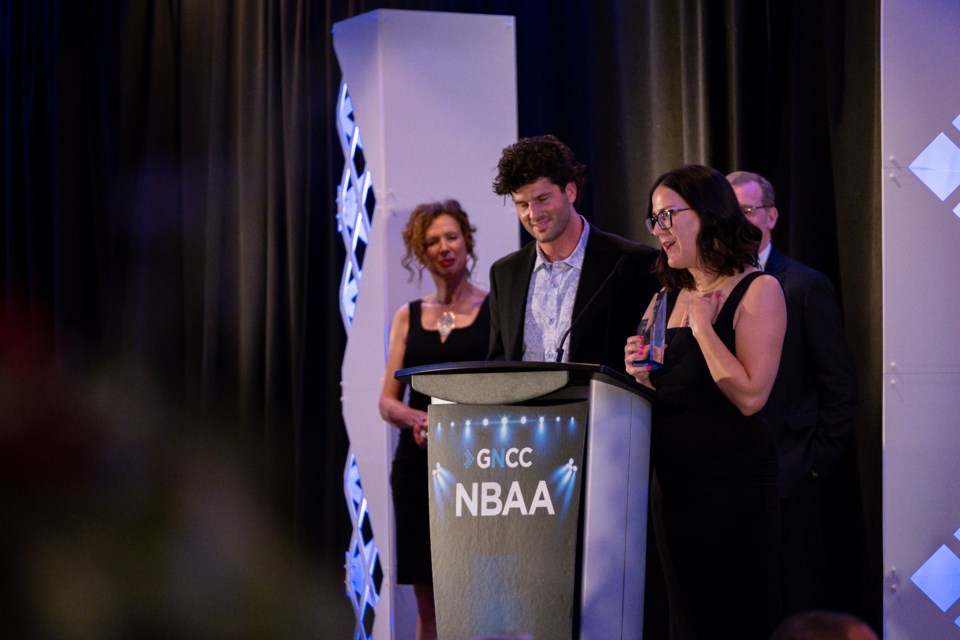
<point>505,486</point>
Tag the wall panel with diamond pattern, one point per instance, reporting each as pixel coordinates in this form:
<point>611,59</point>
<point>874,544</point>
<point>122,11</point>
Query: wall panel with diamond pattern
<point>920,121</point>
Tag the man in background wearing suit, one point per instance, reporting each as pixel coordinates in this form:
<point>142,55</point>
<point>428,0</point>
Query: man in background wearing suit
<point>577,292</point>
<point>813,403</point>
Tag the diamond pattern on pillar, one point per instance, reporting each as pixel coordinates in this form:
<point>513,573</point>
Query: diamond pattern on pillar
<point>355,205</point>
<point>364,574</point>
<point>939,578</point>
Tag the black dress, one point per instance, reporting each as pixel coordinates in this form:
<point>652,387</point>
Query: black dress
<point>409,478</point>
<point>719,526</point>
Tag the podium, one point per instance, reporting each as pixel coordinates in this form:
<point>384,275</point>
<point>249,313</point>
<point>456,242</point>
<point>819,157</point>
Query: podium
<point>539,478</point>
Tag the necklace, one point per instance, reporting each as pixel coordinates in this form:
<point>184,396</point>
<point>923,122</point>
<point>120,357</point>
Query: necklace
<point>446,323</point>
<point>713,286</point>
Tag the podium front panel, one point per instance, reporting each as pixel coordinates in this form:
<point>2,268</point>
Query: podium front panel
<point>505,485</point>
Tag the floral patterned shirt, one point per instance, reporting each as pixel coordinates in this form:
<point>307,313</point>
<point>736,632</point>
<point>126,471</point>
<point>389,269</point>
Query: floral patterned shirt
<point>553,289</point>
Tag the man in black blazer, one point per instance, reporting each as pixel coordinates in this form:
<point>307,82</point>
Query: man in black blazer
<point>813,403</point>
<point>577,292</point>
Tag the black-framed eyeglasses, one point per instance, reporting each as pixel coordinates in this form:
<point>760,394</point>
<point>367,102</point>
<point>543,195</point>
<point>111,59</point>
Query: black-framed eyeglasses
<point>664,219</point>
<point>749,208</point>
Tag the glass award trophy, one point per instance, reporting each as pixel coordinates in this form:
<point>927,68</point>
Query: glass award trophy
<point>652,334</point>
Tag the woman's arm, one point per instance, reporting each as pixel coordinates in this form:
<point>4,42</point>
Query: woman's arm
<point>392,407</point>
<point>759,325</point>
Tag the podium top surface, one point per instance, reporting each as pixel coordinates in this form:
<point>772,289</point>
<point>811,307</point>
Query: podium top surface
<point>506,382</point>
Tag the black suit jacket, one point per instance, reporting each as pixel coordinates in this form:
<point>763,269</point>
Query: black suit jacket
<point>814,399</point>
<point>600,331</point>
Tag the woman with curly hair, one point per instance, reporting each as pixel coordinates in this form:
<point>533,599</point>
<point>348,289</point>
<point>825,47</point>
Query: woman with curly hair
<point>449,325</point>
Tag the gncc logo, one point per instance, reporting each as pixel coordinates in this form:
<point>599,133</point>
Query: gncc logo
<point>486,498</point>
<point>511,458</point>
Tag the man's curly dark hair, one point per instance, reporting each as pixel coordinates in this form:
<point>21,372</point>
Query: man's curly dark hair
<point>530,159</point>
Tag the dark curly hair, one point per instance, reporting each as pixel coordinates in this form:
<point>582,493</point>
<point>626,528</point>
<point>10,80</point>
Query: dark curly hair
<point>727,242</point>
<point>414,234</point>
<point>530,159</point>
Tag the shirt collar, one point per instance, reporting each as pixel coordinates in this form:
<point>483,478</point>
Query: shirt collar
<point>574,260</point>
<point>764,256</point>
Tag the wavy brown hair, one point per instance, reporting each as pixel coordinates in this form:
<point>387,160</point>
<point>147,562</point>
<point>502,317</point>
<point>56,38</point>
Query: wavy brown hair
<point>727,242</point>
<point>530,159</point>
<point>414,234</point>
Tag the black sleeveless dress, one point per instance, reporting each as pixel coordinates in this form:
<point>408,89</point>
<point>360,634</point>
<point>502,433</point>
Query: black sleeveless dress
<point>409,478</point>
<point>717,471</point>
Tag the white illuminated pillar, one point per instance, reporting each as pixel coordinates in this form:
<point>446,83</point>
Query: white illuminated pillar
<point>430,99</point>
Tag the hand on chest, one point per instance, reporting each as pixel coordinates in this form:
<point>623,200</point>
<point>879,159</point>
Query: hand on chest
<point>694,309</point>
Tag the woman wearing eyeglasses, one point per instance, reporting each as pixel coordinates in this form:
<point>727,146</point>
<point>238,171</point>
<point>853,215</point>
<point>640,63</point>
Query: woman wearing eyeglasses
<point>717,520</point>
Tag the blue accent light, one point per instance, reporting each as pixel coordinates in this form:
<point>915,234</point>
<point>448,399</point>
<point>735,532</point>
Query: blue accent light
<point>541,438</point>
<point>504,435</point>
<point>564,480</point>
<point>956,122</point>
<point>442,481</point>
<point>355,572</point>
<point>956,534</point>
<point>939,578</point>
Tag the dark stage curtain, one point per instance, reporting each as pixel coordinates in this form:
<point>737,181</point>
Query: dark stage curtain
<point>169,172</point>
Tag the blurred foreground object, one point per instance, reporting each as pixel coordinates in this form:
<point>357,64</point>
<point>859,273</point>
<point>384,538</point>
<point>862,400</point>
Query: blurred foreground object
<point>118,519</point>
